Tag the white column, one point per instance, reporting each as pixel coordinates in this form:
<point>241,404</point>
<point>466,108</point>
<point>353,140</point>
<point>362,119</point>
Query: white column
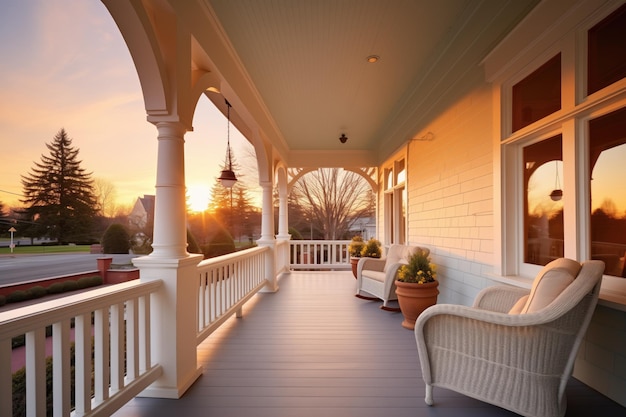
<point>173,321</point>
<point>173,309</point>
<point>267,237</point>
<point>267,214</point>
<point>283,218</point>
<point>170,229</point>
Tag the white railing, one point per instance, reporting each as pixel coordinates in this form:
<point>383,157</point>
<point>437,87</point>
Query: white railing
<point>319,254</point>
<point>281,260</point>
<point>113,322</point>
<point>225,284</point>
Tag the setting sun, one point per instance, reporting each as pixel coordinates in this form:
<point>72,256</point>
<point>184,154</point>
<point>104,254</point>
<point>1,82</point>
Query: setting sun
<point>198,197</point>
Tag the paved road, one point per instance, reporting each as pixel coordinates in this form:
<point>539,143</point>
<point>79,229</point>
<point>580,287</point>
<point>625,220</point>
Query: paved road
<point>19,268</point>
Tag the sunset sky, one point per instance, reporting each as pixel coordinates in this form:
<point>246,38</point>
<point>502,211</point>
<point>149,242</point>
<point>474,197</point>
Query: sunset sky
<point>64,64</point>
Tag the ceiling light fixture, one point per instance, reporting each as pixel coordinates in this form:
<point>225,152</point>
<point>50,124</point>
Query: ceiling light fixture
<point>228,178</point>
<point>372,59</point>
<point>343,138</point>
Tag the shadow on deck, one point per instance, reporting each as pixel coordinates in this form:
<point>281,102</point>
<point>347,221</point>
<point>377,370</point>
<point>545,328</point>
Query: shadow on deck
<point>313,349</point>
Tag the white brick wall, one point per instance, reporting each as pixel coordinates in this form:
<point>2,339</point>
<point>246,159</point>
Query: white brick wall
<point>450,210</point>
<point>601,361</point>
<point>450,199</point>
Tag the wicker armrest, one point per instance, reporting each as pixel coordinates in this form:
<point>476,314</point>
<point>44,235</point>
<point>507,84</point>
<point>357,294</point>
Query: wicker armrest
<point>372,264</point>
<point>499,298</point>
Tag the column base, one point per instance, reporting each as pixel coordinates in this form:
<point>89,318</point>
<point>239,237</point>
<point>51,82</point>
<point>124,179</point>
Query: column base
<point>173,393</point>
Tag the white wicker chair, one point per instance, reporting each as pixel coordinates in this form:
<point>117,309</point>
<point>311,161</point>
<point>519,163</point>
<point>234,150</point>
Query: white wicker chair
<point>520,362</point>
<point>377,276</point>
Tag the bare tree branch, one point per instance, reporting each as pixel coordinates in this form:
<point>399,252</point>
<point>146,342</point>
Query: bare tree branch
<point>333,199</point>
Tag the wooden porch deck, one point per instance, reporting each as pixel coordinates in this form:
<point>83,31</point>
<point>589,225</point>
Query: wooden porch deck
<point>313,349</point>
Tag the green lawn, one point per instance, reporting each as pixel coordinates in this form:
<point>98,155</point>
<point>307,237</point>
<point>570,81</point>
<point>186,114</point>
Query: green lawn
<point>45,249</point>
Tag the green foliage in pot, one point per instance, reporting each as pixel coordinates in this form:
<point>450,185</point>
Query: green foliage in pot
<point>356,246</point>
<point>419,269</point>
<point>371,249</point>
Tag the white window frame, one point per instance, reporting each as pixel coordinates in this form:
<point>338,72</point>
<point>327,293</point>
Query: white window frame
<point>394,200</point>
<point>572,123</point>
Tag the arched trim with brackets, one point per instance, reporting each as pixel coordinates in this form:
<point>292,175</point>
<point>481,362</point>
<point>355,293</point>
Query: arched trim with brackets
<point>138,32</point>
<point>369,173</point>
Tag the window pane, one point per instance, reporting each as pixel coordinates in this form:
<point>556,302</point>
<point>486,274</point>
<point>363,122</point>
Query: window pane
<point>537,95</point>
<point>402,221</point>
<point>607,156</point>
<point>543,206</point>
<point>400,172</point>
<point>389,222</point>
<point>607,51</point>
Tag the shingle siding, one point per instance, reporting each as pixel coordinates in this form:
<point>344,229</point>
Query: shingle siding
<point>601,362</point>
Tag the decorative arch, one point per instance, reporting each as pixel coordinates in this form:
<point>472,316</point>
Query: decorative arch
<point>142,41</point>
<point>369,173</point>
<point>281,178</point>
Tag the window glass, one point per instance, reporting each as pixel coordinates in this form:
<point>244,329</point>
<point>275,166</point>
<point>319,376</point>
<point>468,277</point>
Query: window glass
<point>606,57</point>
<point>543,205</point>
<point>389,218</point>
<point>402,231</point>
<point>537,95</point>
<point>400,172</point>
<point>395,203</point>
<point>607,161</point>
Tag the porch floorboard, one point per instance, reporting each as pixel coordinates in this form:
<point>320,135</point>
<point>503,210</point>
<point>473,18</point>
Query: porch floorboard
<point>313,349</point>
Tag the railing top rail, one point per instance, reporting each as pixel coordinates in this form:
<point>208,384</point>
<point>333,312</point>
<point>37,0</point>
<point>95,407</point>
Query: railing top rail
<point>23,319</point>
<point>230,257</point>
<point>319,241</point>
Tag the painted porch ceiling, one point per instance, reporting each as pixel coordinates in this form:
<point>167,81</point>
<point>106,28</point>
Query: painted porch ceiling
<point>307,60</point>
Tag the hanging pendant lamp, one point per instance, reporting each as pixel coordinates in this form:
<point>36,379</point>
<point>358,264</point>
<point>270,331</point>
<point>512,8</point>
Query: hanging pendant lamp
<point>228,178</point>
<point>557,193</point>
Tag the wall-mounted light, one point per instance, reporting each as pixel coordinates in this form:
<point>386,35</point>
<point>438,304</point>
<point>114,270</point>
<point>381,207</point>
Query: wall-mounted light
<point>427,137</point>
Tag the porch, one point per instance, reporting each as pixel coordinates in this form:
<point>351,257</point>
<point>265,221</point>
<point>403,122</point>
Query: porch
<point>313,349</point>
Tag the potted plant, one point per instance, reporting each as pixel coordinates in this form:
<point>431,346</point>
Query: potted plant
<point>354,250</point>
<point>416,287</point>
<point>371,249</point>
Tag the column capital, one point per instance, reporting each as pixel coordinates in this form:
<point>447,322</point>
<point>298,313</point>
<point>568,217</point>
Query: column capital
<point>171,128</point>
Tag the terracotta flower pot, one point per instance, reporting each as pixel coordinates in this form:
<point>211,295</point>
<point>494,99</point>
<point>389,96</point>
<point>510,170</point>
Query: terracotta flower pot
<point>354,261</point>
<point>415,298</point>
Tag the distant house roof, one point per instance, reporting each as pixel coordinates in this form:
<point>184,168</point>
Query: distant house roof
<point>147,201</point>
<point>143,211</point>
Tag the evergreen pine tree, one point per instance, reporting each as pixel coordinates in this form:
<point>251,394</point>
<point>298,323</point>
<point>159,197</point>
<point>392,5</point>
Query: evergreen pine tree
<point>232,207</point>
<point>59,197</point>
<point>5,222</point>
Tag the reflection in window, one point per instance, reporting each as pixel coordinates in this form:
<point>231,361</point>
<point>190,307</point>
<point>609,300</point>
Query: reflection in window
<point>543,206</point>
<point>400,172</point>
<point>607,51</point>
<point>537,95</point>
<point>607,156</point>
<point>400,216</point>
<point>389,215</point>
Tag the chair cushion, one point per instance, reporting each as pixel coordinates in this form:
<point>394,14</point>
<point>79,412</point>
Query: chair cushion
<point>375,275</point>
<point>549,283</point>
<point>394,254</point>
<point>519,305</point>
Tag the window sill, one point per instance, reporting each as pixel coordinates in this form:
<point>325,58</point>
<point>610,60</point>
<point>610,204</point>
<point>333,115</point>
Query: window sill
<point>612,292</point>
